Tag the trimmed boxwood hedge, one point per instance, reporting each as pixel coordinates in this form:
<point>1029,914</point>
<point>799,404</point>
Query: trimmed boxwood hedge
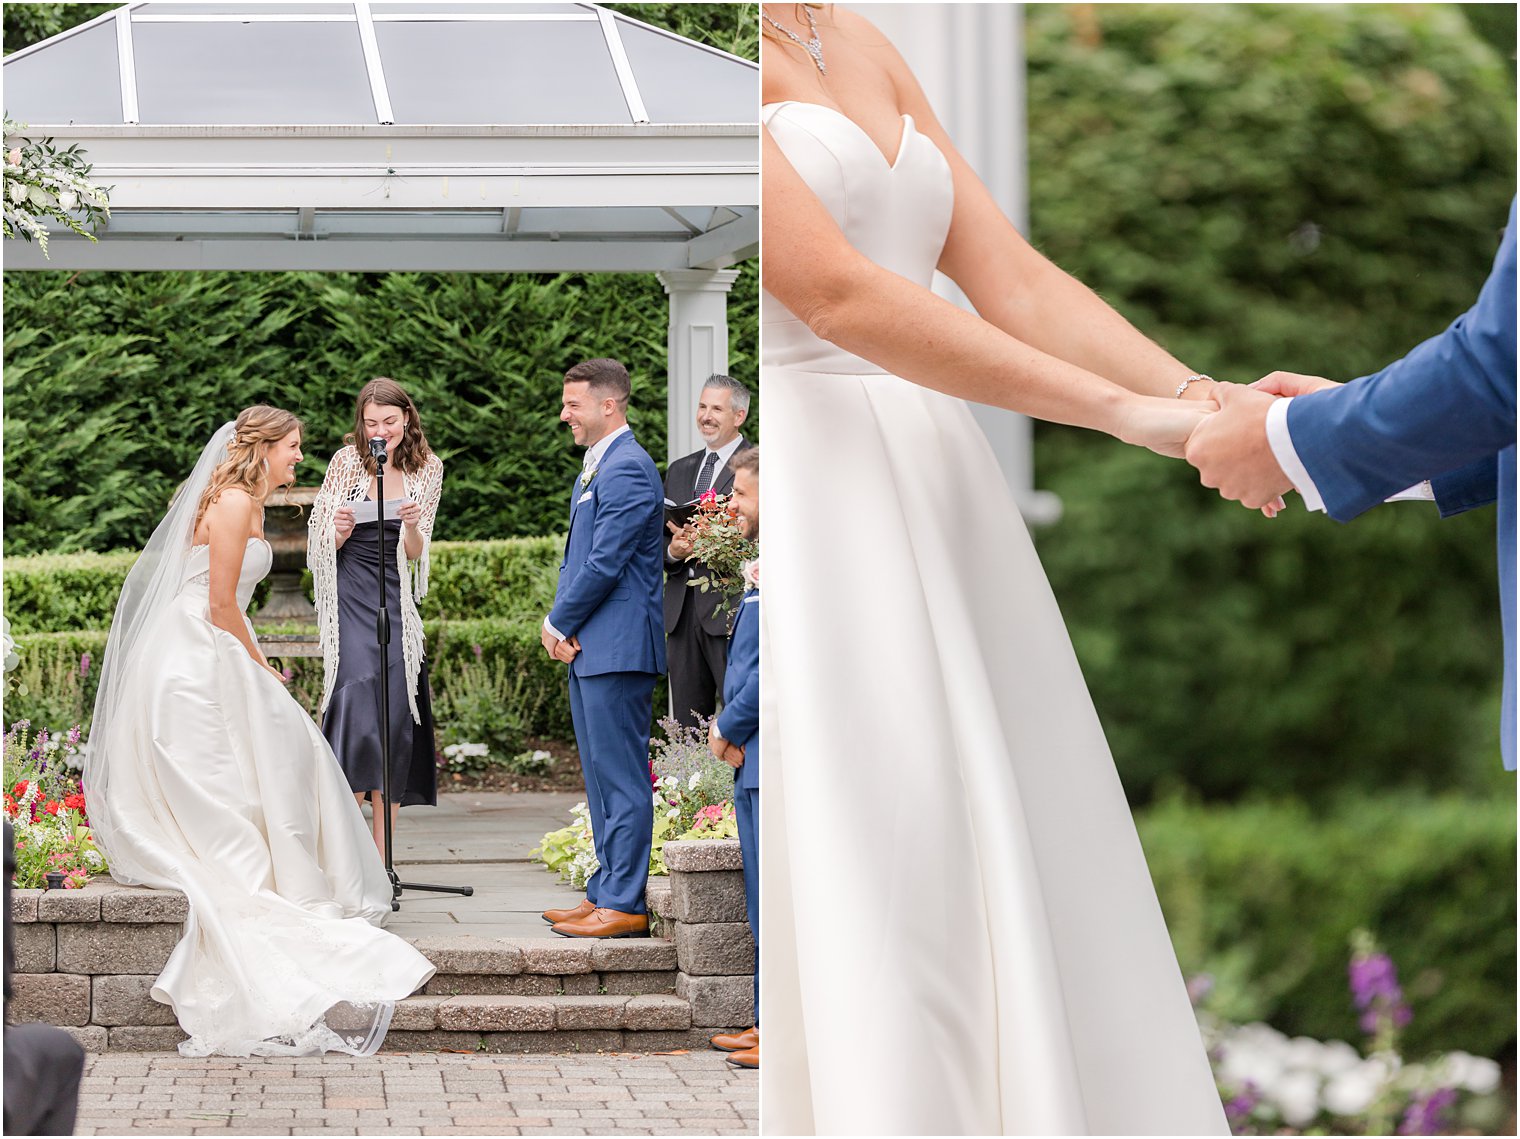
<point>512,578</point>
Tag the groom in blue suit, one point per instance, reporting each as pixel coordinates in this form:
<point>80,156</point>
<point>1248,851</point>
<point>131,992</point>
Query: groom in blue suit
<point>1443,417</point>
<point>607,625</point>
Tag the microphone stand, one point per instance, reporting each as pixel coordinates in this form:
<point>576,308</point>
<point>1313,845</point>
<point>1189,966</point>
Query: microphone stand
<point>383,635</point>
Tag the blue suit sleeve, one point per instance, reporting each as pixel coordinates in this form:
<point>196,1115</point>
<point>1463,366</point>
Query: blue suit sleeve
<point>1476,484</point>
<point>627,499</point>
<point>740,718</point>
<point>1448,404</point>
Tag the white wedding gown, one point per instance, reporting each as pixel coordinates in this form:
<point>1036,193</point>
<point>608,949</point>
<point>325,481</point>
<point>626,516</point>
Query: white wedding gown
<point>222,787</point>
<point>961,933</point>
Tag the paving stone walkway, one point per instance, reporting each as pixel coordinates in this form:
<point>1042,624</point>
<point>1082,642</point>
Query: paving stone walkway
<point>676,1093</point>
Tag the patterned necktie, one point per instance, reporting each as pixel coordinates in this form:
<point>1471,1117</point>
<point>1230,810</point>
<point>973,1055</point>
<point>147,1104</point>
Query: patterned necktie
<point>705,477</point>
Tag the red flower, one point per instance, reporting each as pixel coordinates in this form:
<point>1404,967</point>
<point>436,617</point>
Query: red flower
<point>53,806</point>
<point>10,806</point>
<point>708,497</point>
<point>654,780</point>
<point>20,788</point>
<point>75,802</point>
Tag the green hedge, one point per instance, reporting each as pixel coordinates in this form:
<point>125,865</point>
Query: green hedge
<point>61,684</point>
<point>511,578</point>
<point>1306,187</point>
<point>1265,895</point>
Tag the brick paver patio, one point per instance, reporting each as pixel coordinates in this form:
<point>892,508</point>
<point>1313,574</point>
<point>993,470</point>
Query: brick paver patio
<point>677,1093</point>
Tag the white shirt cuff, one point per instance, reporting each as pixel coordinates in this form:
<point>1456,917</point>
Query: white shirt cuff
<point>1281,442</point>
<point>552,631</point>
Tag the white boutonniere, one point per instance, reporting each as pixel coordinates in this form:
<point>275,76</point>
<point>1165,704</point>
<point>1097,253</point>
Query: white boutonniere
<point>588,474</point>
<point>749,573</point>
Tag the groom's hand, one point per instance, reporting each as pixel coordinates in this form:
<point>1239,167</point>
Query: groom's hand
<point>566,650</point>
<point>1231,452</point>
<point>1292,383</point>
<point>547,640</point>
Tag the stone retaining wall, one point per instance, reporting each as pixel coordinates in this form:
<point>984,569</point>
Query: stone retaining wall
<point>701,908</point>
<point>86,959</point>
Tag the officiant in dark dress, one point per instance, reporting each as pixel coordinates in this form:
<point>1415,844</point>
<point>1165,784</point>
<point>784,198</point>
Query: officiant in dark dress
<point>696,631</point>
<point>346,562</point>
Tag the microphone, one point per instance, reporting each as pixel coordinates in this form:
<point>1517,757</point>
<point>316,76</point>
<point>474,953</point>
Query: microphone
<point>377,450</point>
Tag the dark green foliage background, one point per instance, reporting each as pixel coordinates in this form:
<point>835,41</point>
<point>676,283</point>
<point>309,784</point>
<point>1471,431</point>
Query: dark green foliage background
<point>1305,187</point>
<point>113,382</point>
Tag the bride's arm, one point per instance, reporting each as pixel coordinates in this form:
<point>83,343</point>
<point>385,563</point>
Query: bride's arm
<point>1018,289</point>
<point>869,311</point>
<point>229,521</point>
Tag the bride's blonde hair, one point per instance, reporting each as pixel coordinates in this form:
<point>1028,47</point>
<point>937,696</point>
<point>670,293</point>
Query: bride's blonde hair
<point>244,467</point>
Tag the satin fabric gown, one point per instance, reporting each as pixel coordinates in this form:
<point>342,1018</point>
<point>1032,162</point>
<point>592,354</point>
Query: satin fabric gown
<point>222,787</point>
<point>962,936</point>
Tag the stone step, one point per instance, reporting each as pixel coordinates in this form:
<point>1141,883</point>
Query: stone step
<point>469,965</point>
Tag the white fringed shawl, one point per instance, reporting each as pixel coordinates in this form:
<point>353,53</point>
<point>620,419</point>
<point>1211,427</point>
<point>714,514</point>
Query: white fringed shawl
<point>347,482</point>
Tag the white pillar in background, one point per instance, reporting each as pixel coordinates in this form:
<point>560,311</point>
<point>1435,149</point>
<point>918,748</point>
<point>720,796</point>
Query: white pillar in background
<point>969,58</point>
<point>697,346</point>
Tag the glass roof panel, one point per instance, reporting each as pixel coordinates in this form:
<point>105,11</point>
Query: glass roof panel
<point>251,73</point>
<point>331,8</point>
<point>682,83</point>
<point>76,80</point>
<point>500,72</point>
<point>466,7</point>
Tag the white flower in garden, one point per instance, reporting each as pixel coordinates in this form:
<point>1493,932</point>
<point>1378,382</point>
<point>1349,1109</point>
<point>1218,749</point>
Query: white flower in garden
<point>1296,1097</point>
<point>68,199</point>
<point>673,814</point>
<point>1353,1091</point>
<point>1473,1073</point>
<point>540,756</point>
<point>94,858</point>
<point>1336,1056</point>
<point>1304,1052</point>
<point>691,784</point>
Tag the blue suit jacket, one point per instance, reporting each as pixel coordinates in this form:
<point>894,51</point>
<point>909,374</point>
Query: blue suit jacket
<point>740,719</point>
<point>610,581</point>
<point>1445,412</point>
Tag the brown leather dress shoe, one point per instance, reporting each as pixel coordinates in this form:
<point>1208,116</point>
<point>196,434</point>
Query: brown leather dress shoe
<point>749,1058</point>
<point>737,1041</point>
<point>604,923</point>
<point>580,911</point>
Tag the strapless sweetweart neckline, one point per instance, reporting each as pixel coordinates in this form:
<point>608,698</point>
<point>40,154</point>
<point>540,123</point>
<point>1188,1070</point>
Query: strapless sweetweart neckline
<point>942,764</point>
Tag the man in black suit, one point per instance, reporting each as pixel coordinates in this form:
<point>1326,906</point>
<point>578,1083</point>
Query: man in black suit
<point>696,634</point>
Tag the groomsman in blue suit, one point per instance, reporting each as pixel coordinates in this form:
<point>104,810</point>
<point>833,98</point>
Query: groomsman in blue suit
<point>1442,417</point>
<point>735,735</point>
<point>606,624</point>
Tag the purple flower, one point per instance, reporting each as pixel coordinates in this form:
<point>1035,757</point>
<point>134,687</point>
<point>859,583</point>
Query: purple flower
<point>287,673</point>
<point>478,651</point>
<point>1426,1115</point>
<point>1238,1110</point>
<point>84,666</point>
<point>1375,988</point>
<point>1199,987</point>
<point>74,734</point>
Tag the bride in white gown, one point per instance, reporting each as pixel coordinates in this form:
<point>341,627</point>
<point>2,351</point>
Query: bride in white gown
<point>961,933</point>
<point>204,775</point>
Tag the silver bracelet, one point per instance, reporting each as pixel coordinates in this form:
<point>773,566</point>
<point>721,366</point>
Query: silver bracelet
<point>1193,379</point>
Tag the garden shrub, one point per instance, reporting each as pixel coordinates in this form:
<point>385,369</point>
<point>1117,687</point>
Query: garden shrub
<point>513,578</point>
<point>1305,187</point>
<point>1265,895</point>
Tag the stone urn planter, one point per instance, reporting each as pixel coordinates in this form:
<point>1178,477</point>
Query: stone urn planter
<point>285,527</point>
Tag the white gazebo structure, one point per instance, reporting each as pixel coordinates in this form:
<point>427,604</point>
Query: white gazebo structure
<point>437,135</point>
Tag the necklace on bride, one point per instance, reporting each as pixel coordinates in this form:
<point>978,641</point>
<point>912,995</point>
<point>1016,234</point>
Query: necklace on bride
<point>814,46</point>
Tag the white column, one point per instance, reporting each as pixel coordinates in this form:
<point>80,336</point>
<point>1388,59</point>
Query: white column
<point>697,346</point>
<point>969,58</point>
